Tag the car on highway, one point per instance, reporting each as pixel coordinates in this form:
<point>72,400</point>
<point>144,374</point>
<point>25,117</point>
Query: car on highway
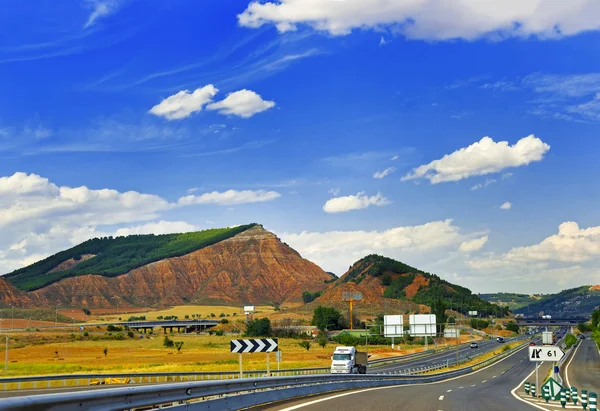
<point>474,345</point>
<point>500,339</point>
<point>532,344</point>
<point>582,337</point>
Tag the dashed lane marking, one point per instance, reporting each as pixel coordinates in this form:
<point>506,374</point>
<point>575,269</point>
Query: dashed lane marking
<point>472,385</point>
<point>441,397</point>
<point>484,381</point>
<point>449,391</point>
<point>460,388</point>
<point>494,376</point>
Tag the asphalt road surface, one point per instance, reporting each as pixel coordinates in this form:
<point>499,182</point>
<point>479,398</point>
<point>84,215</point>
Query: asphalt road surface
<point>583,370</point>
<point>487,389</point>
<point>439,358</point>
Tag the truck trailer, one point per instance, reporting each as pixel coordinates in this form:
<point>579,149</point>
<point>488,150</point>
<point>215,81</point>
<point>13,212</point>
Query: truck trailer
<point>347,360</point>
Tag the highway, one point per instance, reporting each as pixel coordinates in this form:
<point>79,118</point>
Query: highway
<point>583,369</point>
<point>464,351</point>
<point>486,389</point>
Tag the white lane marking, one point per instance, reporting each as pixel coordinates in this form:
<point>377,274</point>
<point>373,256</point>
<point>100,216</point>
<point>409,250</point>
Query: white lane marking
<point>472,385</point>
<point>494,376</point>
<point>449,391</point>
<point>441,397</point>
<point>521,399</point>
<point>503,372</point>
<point>295,407</point>
<point>484,381</point>
<point>460,388</point>
<point>569,363</point>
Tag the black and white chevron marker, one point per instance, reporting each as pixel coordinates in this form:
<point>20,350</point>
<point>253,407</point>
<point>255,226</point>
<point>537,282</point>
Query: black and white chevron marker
<point>255,345</point>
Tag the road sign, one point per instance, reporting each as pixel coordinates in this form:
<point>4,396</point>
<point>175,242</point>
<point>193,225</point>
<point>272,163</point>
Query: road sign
<point>393,326</point>
<point>553,387</point>
<point>537,353</point>
<point>255,345</point>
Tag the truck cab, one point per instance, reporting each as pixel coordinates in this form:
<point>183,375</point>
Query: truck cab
<point>347,360</point>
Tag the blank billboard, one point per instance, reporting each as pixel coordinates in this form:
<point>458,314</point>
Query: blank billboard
<point>451,332</point>
<point>473,313</point>
<point>248,308</point>
<point>393,326</point>
<point>422,325</point>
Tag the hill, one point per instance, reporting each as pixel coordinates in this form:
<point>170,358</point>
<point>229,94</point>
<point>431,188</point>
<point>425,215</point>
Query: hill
<point>389,284</point>
<point>511,300</point>
<point>111,257</point>
<point>247,265</point>
<point>574,302</point>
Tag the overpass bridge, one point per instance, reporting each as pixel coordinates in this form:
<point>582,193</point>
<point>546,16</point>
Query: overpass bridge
<point>564,322</point>
<point>186,325</point>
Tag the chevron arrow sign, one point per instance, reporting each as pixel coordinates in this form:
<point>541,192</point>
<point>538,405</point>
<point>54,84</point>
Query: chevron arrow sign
<point>254,345</point>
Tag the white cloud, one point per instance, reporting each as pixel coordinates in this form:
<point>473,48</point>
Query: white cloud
<point>39,218</point>
<point>158,227</point>
<point>506,206</point>
<point>486,183</point>
<point>473,245</point>
<point>483,157</point>
<point>563,85</point>
<point>394,158</point>
<point>382,41</point>
<point>334,191</point>
<point>430,19</point>
<point>354,202</point>
<point>336,250</point>
<point>242,103</point>
<point>230,197</point>
<point>506,175</point>
<point>569,257</point>
<point>383,173</point>
<point>101,8</point>
<point>184,103</point>
<point>192,190</point>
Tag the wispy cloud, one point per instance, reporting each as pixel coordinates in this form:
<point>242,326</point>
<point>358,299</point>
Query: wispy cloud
<point>486,183</point>
<point>101,9</point>
<point>246,146</point>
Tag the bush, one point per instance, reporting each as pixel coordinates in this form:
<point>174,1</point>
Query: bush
<point>308,297</point>
<point>347,340</point>
<point>178,345</point>
<point>119,336</point>
<point>305,345</point>
<point>78,338</point>
<point>113,328</point>
<point>187,317</point>
<point>167,342</point>
<point>224,321</point>
<point>130,334</point>
<point>512,326</point>
<point>220,333</point>
<point>322,340</point>
<point>86,311</point>
<point>570,340</point>
<point>211,332</point>
<point>85,334</point>
<point>105,351</point>
<point>505,348</point>
<point>386,280</point>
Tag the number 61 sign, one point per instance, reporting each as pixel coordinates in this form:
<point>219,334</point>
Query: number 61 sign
<point>537,353</point>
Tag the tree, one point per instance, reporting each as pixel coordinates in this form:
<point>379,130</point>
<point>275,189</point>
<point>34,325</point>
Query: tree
<point>178,345</point>
<point>327,318</point>
<point>105,351</point>
<point>512,326</point>
<point>307,296</point>
<point>583,328</point>
<point>596,319</point>
<point>86,311</point>
<point>167,342</point>
<point>438,307</point>
<point>570,340</point>
<point>305,344</point>
<point>260,327</point>
<point>322,340</point>
<point>224,321</point>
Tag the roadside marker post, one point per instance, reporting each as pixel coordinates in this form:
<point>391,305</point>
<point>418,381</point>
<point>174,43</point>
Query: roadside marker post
<point>568,394</point>
<point>563,397</point>
<point>265,345</point>
<point>533,389</point>
<point>546,392</point>
<point>584,399</point>
<point>574,395</point>
<point>593,401</point>
<point>527,387</point>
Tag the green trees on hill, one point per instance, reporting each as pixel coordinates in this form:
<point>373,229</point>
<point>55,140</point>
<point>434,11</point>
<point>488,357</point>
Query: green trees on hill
<point>116,256</point>
<point>328,318</point>
<point>260,327</point>
<point>308,297</point>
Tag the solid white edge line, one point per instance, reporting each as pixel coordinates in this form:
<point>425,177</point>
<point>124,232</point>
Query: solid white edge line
<point>306,404</point>
<point>521,399</point>
<point>569,363</point>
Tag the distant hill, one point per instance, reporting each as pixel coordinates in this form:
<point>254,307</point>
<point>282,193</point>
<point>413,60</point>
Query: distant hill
<point>511,300</point>
<point>241,265</point>
<point>385,282</point>
<point>575,302</point>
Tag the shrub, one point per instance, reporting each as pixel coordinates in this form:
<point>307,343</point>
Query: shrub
<point>187,317</point>
<point>347,340</point>
<point>512,326</point>
<point>305,345</point>
<point>86,311</point>
<point>113,328</point>
<point>211,332</point>
<point>178,345</point>
<point>570,340</point>
<point>505,348</point>
<point>105,351</point>
<point>167,342</point>
<point>322,340</point>
<point>260,327</point>
<point>220,333</point>
<point>78,338</point>
<point>86,334</point>
<point>119,336</point>
<point>224,321</point>
<point>222,315</point>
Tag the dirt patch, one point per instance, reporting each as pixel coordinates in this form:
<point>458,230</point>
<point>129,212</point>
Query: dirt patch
<point>412,289</point>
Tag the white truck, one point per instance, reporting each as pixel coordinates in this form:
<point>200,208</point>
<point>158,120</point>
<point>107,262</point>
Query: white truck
<point>346,360</point>
<point>548,338</point>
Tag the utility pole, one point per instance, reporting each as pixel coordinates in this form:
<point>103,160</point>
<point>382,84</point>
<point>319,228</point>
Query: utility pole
<point>6,356</point>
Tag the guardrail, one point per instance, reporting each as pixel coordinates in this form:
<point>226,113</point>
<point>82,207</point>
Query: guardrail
<point>222,395</point>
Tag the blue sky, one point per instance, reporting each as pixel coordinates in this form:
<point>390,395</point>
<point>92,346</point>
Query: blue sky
<point>124,116</point>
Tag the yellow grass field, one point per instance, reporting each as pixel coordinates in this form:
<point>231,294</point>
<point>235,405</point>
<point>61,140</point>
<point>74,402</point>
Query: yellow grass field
<point>180,311</point>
